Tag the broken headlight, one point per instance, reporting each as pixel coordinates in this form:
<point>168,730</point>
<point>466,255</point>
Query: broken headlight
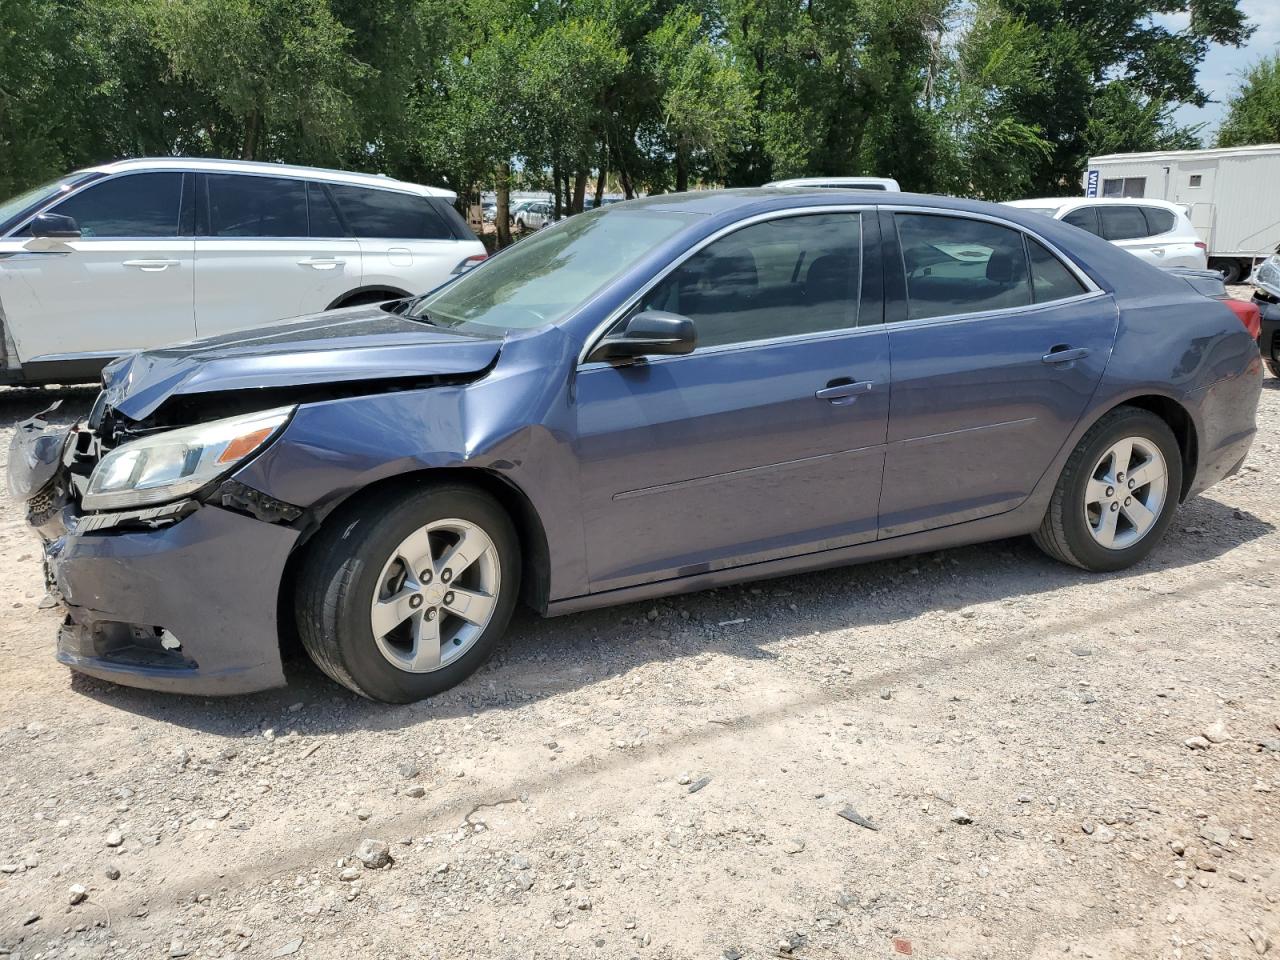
<point>176,463</point>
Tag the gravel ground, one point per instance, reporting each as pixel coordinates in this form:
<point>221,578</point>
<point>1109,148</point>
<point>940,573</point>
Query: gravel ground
<point>974,753</point>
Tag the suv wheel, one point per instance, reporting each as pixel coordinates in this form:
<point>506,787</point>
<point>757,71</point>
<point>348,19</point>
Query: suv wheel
<point>404,602</point>
<point>1117,493</point>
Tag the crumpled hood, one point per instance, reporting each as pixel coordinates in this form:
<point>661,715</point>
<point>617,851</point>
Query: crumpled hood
<point>340,346</point>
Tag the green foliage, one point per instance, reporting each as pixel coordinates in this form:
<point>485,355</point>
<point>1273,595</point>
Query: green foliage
<point>1253,112</point>
<point>993,98</point>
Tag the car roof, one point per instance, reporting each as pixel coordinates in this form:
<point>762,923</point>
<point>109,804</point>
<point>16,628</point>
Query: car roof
<point>207,165</point>
<point>887,182</point>
<point>1059,203</point>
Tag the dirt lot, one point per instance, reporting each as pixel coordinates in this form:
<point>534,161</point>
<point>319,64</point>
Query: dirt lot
<point>666,780</point>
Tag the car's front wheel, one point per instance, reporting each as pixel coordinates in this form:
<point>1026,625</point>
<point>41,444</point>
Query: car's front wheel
<point>401,602</point>
<point>1117,493</point>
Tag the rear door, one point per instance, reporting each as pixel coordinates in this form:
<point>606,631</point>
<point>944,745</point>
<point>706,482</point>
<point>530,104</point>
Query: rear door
<point>125,284</point>
<point>257,260</point>
<point>1127,227</point>
<point>997,346</point>
<point>768,439</point>
<point>407,241</point>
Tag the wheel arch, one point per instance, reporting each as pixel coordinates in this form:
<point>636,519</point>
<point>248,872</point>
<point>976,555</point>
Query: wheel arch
<point>1180,422</point>
<point>535,581</point>
<point>367,294</point>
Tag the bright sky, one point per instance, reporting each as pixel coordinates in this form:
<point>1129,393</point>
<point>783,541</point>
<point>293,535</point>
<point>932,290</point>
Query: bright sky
<point>1220,71</point>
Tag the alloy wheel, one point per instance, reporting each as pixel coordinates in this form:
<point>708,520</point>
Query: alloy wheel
<point>1126,493</point>
<point>436,594</point>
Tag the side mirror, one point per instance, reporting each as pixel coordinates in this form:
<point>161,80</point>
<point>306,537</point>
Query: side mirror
<point>648,333</point>
<point>55,226</point>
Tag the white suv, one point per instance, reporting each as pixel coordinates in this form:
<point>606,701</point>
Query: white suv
<point>141,253</point>
<point>1156,230</point>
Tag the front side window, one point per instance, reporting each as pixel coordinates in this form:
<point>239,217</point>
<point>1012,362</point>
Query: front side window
<point>16,208</point>
<point>1122,223</point>
<point>244,206</point>
<point>135,205</point>
<point>385,214</point>
<point>956,265</point>
<point>779,278</point>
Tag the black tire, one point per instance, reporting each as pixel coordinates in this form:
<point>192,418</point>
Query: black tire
<point>366,298</point>
<point>1274,368</point>
<point>1064,533</point>
<point>1233,271</point>
<point>339,579</point>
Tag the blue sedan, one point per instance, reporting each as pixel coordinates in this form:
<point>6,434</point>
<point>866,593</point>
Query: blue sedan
<point>658,396</point>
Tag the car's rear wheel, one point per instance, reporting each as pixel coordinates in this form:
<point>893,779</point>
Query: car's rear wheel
<point>1117,493</point>
<point>1274,368</point>
<point>401,602</point>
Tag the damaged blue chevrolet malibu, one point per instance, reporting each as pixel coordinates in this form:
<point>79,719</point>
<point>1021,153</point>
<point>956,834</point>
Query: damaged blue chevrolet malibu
<point>655,397</point>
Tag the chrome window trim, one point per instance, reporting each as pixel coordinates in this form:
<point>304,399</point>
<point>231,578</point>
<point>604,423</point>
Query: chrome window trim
<point>600,329</point>
<point>1001,312</point>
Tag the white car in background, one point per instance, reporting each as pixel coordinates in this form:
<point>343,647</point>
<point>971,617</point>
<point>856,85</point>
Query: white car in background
<point>840,183</point>
<point>141,253</point>
<point>1157,231</point>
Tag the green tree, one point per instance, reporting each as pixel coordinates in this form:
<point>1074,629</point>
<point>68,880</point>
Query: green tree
<point>281,70</point>
<point>1253,111</point>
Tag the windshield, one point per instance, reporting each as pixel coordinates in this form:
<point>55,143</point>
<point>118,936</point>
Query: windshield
<point>540,280</point>
<point>14,207</point>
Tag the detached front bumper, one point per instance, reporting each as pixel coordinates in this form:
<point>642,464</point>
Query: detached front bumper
<point>182,600</point>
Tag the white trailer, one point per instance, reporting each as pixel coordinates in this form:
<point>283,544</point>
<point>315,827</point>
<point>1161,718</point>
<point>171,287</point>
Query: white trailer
<point>1232,195</point>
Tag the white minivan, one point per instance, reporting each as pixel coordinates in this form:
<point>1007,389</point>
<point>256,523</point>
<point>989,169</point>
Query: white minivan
<point>140,253</point>
<point>1157,231</point>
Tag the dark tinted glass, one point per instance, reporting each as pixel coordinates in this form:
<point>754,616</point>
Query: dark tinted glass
<point>779,278</point>
<point>136,205</point>
<point>382,213</point>
<point>1050,278</point>
<point>241,206</point>
<point>1158,220</point>
<point>956,265</point>
<point>1086,218</point>
<point>324,220</point>
<point>1122,223</point>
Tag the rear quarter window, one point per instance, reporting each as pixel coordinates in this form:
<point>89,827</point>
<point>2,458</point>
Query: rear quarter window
<point>386,214</point>
<point>1159,220</point>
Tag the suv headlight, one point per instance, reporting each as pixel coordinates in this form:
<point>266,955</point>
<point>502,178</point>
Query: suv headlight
<point>176,463</point>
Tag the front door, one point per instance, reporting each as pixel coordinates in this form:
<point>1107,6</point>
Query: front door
<point>124,285</point>
<point>268,248</point>
<point>767,440</point>
<point>999,348</point>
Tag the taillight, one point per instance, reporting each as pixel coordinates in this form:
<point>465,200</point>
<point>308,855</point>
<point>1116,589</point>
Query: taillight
<point>470,262</point>
<point>1201,245</point>
<point>1248,314</point>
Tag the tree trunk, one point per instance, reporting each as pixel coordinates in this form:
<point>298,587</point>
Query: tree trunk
<point>682,168</point>
<point>580,191</point>
<point>252,129</point>
<point>502,216</point>
<point>600,177</point>
<point>555,187</point>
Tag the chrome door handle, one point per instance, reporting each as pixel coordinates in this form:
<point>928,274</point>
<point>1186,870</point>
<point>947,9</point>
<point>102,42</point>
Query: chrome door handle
<point>321,263</point>
<point>151,266</point>
<point>840,394</point>
<point>1065,354</point>
<point>1158,251</point>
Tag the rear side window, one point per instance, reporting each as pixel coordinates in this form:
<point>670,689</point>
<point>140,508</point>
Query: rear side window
<point>1158,220</point>
<point>1122,223</point>
<point>1050,278</point>
<point>137,205</point>
<point>388,215</point>
<point>956,265</point>
<point>244,206</point>
<point>780,278</point>
<point>323,218</point>
<point>1086,218</point>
